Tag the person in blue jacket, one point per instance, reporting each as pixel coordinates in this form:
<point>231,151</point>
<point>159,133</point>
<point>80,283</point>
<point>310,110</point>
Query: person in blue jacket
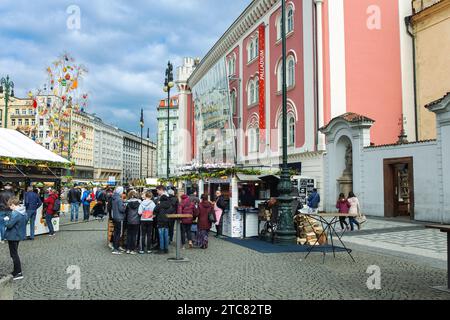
<point>16,225</point>
<point>32,203</point>
<point>313,201</point>
<point>86,200</point>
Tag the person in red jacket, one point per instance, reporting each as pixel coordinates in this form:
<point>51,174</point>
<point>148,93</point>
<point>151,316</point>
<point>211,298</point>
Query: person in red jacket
<point>50,212</point>
<point>204,224</point>
<point>186,207</point>
<point>343,206</point>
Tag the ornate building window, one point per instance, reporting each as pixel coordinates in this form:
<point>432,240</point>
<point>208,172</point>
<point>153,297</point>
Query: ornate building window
<point>291,141</point>
<point>290,19</point>
<point>290,72</point>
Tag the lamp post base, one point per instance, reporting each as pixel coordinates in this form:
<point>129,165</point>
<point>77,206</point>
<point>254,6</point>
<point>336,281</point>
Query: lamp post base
<point>285,233</point>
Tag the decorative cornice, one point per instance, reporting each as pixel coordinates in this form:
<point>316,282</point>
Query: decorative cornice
<point>248,19</point>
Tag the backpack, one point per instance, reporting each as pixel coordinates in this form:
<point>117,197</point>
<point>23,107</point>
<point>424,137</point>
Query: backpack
<point>57,206</point>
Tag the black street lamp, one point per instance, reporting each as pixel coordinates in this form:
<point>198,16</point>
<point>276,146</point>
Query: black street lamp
<point>148,152</point>
<point>168,84</point>
<point>7,88</point>
<point>142,141</point>
<point>285,232</point>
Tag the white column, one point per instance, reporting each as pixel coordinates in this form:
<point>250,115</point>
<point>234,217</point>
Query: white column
<point>308,54</point>
<point>234,203</point>
<point>406,47</point>
<point>319,36</point>
<point>338,78</point>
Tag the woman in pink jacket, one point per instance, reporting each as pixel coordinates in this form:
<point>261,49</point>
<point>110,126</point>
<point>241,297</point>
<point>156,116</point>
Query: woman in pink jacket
<point>343,206</point>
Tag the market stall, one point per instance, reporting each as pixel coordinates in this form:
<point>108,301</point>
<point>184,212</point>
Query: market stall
<point>24,163</point>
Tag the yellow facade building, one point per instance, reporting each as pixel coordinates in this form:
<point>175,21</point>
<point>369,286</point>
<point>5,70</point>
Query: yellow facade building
<point>82,146</point>
<point>430,26</point>
<point>21,114</point>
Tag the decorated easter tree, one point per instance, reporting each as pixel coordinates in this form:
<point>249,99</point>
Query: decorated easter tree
<point>57,101</point>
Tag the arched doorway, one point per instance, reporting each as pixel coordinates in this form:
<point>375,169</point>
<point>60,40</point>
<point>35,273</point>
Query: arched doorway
<point>344,165</point>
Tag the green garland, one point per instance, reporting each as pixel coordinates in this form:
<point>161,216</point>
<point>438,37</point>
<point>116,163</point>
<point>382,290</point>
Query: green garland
<point>34,163</point>
<point>210,175</point>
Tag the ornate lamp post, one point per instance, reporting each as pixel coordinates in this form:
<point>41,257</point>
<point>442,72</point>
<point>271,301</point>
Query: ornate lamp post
<point>285,232</point>
<point>142,141</point>
<point>7,88</point>
<point>148,153</point>
<point>168,84</point>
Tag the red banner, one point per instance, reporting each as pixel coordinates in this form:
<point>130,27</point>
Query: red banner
<point>262,78</point>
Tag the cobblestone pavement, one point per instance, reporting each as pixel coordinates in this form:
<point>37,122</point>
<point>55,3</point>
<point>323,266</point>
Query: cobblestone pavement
<point>224,271</point>
<point>407,238</point>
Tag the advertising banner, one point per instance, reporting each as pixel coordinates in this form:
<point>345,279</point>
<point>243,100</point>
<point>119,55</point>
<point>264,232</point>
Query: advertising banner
<point>262,80</point>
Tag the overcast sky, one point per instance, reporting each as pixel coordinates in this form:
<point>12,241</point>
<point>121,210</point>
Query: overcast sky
<point>125,45</point>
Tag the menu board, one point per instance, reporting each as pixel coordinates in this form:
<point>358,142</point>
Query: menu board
<point>306,187</point>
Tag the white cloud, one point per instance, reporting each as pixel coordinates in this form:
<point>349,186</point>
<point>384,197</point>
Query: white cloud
<point>124,44</point>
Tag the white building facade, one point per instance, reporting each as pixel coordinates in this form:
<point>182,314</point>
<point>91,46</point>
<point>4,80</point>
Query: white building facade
<point>168,115</point>
<point>108,151</point>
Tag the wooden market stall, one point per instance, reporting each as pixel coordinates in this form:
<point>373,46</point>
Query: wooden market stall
<point>25,163</point>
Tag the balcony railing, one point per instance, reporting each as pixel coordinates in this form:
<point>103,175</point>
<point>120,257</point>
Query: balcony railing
<point>420,5</point>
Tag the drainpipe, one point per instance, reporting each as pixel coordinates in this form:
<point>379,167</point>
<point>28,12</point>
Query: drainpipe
<point>320,90</point>
<point>411,34</point>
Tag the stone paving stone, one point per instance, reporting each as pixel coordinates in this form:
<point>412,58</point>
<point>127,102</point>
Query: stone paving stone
<point>224,271</point>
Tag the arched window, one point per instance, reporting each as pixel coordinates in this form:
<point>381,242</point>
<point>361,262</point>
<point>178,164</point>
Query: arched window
<point>291,72</point>
<point>257,139</point>
<point>251,96</point>
<point>256,91</point>
<point>256,40</point>
<point>278,25</point>
<point>250,52</point>
<point>290,20</point>
<point>291,136</point>
<point>233,101</point>
<point>231,67</point>
<point>280,76</point>
<point>280,133</point>
<point>253,140</point>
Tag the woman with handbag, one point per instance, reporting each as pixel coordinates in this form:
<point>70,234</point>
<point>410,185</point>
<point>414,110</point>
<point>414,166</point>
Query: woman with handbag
<point>354,209</point>
<point>206,217</point>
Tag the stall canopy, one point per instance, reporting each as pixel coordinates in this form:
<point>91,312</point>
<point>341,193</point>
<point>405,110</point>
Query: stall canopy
<point>14,144</point>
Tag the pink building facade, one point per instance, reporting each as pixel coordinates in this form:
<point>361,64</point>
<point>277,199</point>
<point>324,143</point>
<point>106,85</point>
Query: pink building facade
<point>343,56</point>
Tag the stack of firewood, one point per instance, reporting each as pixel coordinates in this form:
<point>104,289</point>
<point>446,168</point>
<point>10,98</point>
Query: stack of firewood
<point>309,230</point>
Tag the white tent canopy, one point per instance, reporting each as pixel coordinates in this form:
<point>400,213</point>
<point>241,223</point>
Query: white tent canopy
<point>14,144</point>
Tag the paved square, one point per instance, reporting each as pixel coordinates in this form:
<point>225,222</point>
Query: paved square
<point>224,271</point>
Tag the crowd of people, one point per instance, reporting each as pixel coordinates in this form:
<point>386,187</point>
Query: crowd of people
<point>142,222</point>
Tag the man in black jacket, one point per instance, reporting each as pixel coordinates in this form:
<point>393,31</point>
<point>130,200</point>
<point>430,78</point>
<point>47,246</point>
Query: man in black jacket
<point>32,203</point>
<point>221,204</point>
<point>74,198</point>
<point>161,211</point>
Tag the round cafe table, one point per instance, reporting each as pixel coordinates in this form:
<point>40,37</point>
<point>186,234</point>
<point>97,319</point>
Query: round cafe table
<point>178,218</point>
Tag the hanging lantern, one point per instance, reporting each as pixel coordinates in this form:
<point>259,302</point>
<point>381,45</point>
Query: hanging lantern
<point>35,104</point>
<point>67,77</point>
<point>64,82</point>
<point>64,69</point>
